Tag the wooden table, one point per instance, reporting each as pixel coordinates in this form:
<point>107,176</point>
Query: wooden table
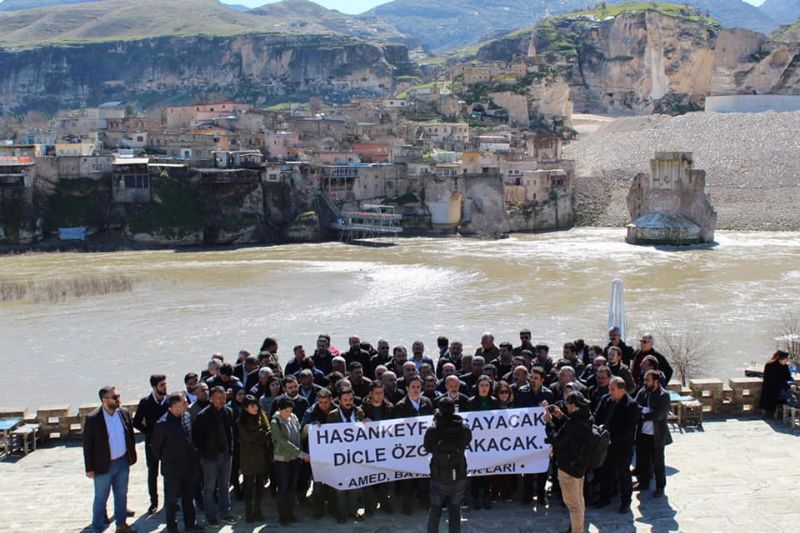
<point>23,439</point>
<point>690,413</point>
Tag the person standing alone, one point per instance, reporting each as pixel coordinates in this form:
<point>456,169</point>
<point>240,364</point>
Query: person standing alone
<point>109,450</point>
<point>446,441</point>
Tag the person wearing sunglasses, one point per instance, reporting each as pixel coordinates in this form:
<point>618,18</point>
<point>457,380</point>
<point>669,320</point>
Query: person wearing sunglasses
<point>109,450</point>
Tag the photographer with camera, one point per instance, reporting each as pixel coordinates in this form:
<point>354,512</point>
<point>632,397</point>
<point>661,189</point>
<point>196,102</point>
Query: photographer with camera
<point>446,441</point>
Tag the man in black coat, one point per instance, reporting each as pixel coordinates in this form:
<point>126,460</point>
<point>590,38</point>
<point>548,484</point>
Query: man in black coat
<point>356,353</point>
<point>377,408</point>
<point>383,357</point>
<point>414,404</point>
<point>109,450</point>
<point>646,348</point>
<point>568,446</point>
<point>532,395</point>
<point>615,339</point>
<point>151,408</point>
<point>292,388</point>
<point>653,434</point>
<point>453,391</point>
<point>619,413</point>
<point>172,445</point>
<point>212,435</point>
<point>446,441</point>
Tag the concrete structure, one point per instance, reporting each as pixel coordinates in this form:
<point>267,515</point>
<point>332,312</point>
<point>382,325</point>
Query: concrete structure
<point>82,148</point>
<point>752,103</point>
<point>670,205</point>
<point>443,132</point>
<point>720,479</point>
<point>130,182</point>
<point>183,116</point>
<point>74,167</point>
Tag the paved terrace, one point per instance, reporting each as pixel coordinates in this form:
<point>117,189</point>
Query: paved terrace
<point>736,475</point>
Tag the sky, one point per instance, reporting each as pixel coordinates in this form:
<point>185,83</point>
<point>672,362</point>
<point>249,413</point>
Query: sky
<point>354,7</point>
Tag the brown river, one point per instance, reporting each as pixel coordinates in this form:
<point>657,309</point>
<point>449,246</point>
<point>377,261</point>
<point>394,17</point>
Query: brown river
<point>183,306</point>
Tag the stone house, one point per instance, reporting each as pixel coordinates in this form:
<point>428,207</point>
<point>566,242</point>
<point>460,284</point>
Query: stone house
<point>181,117</point>
<point>281,144</point>
<point>130,180</point>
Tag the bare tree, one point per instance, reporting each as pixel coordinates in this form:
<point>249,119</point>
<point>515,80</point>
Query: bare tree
<point>687,352</point>
<point>789,335</point>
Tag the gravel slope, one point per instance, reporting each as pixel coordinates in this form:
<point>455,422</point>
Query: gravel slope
<point>752,161</point>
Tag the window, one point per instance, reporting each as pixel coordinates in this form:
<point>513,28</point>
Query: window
<point>137,182</point>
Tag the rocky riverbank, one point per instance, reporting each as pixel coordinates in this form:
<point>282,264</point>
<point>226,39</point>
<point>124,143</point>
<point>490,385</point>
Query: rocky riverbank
<point>751,161</point>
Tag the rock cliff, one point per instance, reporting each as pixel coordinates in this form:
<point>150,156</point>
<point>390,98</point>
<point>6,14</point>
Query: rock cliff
<point>649,61</point>
<point>256,68</point>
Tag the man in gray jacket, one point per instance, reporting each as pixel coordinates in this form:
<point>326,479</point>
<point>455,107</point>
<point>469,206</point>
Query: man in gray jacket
<point>653,434</point>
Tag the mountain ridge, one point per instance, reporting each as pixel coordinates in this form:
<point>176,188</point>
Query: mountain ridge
<point>442,25</point>
<point>109,20</point>
<point>782,11</point>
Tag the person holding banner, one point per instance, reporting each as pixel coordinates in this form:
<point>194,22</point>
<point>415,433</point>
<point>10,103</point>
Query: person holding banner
<point>568,444</point>
<point>288,456</point>
<point>376,408</point>
<point>452,385</point>
<point>346,413</point>
<point>446,441</point>
<point>482,401</point>
<point>532,395</point>
<point>413,405</point>
<point>318,414</point>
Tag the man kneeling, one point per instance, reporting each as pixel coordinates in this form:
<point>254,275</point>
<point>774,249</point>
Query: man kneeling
<point>446,440</point>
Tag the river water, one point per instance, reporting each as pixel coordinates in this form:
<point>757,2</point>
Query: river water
<point>186,305</point>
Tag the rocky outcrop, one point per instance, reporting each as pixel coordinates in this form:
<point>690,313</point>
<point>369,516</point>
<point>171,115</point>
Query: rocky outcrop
<point>305,228</point>
<point>255,68</point>
<point>649,61</point>
<point>558,213</point>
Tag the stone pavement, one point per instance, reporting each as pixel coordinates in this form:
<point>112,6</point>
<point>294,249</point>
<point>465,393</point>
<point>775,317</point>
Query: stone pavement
<point>736,475</point>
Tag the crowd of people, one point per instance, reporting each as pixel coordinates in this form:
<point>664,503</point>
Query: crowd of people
<point>238,429</point>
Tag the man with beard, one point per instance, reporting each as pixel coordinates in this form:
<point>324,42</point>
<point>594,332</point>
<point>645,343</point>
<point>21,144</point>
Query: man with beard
<point>653,434</point>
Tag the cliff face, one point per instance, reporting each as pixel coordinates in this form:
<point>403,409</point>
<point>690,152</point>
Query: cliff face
<point>255,68</point>
<point>650,62</point>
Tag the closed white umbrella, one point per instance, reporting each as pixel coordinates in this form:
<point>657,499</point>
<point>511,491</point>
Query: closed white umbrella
<point>616,311</point>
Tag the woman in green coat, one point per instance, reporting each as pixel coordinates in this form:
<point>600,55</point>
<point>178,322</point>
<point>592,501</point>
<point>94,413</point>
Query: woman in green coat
<point>255,447</point>
<point>289,455</point>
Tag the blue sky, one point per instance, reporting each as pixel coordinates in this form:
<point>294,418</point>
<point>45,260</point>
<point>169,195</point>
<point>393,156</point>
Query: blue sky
<point>354,6</point>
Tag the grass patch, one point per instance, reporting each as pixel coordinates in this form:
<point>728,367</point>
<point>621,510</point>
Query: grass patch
<point>76,203</point>
<point>176,212</point>
<point>664,8</point>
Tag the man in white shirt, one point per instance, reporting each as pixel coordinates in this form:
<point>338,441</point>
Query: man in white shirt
<point>108,451</point>
<point>653,434</point>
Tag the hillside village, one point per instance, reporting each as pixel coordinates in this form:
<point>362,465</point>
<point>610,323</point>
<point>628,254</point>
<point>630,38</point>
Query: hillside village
<point>467,143</point>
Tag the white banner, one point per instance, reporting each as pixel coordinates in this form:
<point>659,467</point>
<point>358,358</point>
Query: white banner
<point>352,455</point>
